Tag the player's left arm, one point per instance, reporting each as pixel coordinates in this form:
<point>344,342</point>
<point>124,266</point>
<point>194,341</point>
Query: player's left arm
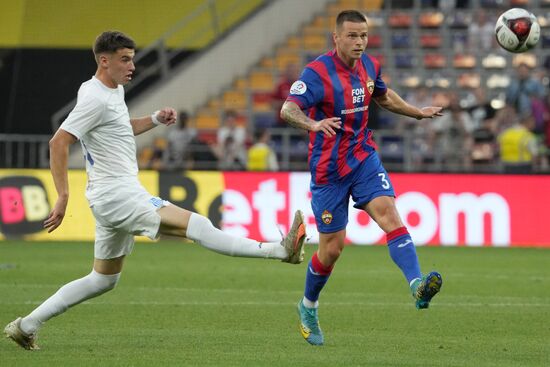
<point>167,116</point>
<point>391,101</point>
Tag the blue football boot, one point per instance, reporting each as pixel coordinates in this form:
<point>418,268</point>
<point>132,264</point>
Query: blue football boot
<point>309,325</point>
<point>423,290</point>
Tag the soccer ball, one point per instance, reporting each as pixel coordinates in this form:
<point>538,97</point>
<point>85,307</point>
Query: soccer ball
<point>517,30</point>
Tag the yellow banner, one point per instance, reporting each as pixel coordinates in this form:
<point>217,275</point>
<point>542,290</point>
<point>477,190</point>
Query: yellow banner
<point>27,197</point>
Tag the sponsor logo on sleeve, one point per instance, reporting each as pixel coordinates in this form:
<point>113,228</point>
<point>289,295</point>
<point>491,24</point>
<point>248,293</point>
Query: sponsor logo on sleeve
<point>298,88</point>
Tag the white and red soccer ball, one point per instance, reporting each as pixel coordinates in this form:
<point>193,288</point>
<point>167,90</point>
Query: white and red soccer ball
<point>517,30</point>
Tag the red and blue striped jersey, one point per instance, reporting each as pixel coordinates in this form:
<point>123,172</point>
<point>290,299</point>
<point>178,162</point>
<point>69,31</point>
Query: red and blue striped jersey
<point>329,88</point>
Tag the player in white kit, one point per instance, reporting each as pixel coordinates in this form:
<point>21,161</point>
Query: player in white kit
<point>121,206</point>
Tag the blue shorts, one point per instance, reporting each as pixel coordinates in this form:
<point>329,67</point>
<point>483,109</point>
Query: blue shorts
<point>330,202</point>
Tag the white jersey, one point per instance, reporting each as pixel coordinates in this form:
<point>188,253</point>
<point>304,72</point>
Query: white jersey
<point>101,122</point>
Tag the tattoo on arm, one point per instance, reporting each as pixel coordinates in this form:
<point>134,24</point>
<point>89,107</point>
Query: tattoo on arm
<point>295,117</point>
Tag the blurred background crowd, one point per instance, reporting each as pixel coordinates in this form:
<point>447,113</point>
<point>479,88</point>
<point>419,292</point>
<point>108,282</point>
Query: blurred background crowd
<point>433,52</point>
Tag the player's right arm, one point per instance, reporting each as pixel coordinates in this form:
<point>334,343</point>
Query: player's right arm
<point>59,157</point>
<point>293,114</point>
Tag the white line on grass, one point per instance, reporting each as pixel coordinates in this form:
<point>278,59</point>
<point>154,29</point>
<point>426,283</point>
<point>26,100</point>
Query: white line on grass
<point>278,304</point>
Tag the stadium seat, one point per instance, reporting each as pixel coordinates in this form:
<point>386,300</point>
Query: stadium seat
<point>431,40</point>
<point>240,84</point>
<point>376,21</point>
<point>493,61</point>
<point>438,81</point>
<point>370,5</point>
<point>380,57</point>
<point>261,101</point>
<point>261,81</point>
<point>462,61</point>
<point>235,100</point>
<point>469,80</point>
<point>322,21</point>
<point>498,81</point>
<point>431,19</point>
<point>401,40</point>
<point>435,61</point>
<point>526,58</point>
<point>409,80</point>
<point>207,120</point>
<point>315,42</point>
<point>400,20</point>
<point>294,43</point>
<point>267,63</point>
<point>404,61</point>
<point>283,59</point>
<point>375,41</point>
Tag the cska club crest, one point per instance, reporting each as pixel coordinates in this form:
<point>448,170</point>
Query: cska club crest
<point>326,217</point>
<point>370,86</point>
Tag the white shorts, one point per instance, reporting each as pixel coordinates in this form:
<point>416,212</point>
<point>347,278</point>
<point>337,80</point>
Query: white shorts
<point>124,211</point>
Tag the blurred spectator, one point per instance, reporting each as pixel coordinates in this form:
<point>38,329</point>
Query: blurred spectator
<point>480,108</point>
<point>518,146</point>
<point>231,139</point>
<point>546,118</point>
<point>260,155</point>
<point>481,34</point>
<point>452,136</point>
<point>290,75</point>
<point>522,89</point>
<point>421,149</point>
<point>484,148</point>
<point>178,154</point>
<point>152,157</point>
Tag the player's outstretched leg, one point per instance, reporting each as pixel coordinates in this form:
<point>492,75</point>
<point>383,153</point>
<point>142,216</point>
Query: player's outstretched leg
<point>309,325</point>
<point>294,241</point>
<point>14,332</point>
<point>424,290</point>
<point>201,230</point>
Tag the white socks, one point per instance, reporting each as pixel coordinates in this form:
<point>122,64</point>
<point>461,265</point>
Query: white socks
<point>310,304</point>
<point>70,294</point>
<point>201,230</point>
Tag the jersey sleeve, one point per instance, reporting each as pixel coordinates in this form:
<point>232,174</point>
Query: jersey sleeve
<point>380,87</point>
<point>307,91</point>
<point>85,116</point>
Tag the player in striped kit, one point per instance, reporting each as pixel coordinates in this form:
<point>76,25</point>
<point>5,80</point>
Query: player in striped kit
<point>336,89</point>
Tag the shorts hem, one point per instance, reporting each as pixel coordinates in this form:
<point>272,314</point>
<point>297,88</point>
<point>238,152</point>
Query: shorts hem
<point>337,229</point>
<point>360,204</point>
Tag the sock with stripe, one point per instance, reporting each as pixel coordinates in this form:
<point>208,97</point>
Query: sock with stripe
<point>403,253</point>
<point>317,275</point>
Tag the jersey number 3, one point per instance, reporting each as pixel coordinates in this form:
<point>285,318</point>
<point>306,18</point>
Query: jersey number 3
<point>385,182</point>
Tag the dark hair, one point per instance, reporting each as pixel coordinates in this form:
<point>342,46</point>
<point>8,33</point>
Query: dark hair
<point>111,41</point>
<point>350,16</point>
<point>260,133</point>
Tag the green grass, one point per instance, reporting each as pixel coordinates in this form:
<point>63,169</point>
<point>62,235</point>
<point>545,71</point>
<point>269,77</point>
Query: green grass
<point>179,304</point>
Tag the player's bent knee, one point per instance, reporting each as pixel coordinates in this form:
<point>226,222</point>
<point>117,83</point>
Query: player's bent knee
<point>197,226</point>
<point>103,282</point>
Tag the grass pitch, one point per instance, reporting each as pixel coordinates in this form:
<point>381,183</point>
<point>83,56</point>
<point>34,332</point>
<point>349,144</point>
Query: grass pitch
<point>178,304</point>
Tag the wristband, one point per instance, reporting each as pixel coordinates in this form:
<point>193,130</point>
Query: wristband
<point>154,118</point>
